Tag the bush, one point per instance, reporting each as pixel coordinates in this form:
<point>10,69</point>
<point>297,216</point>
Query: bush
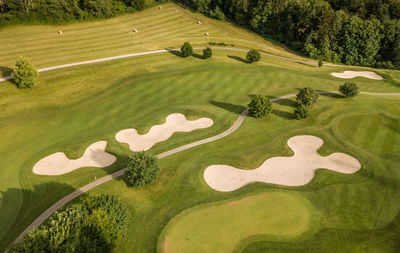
<point>301,112</point>
<point>307,97</point>
<point>143,169</point>
<point>186,49</point>
<point>25,73</point>
<point>259,106</point>
<point>253,56</point>
<point>349,89</point>
<point>207,53</point>
<point>320,63</point>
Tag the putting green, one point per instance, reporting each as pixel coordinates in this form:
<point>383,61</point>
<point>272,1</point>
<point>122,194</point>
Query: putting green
<point>218,227</point>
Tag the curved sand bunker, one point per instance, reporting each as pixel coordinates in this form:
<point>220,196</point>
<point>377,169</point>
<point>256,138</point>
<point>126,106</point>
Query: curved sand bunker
<point>58,163</point>
<point>175,122</point>
<point>296,170</point>
<point>352,74</point>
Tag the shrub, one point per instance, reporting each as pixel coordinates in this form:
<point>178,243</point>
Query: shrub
<point>349,89</point>
<point>301,112</point>
<point>253,56</point>
<point>186,49</point>
<point>307,97</point>
<point>207,53</point>
<point>320,63</point>
<point>259,106</point>
<point>143,169</point>
<point>25,73</point>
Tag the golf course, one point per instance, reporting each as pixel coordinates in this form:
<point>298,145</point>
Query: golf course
<point>106,92</point>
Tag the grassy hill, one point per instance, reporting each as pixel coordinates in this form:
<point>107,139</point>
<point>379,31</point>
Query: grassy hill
<point>74,107</point>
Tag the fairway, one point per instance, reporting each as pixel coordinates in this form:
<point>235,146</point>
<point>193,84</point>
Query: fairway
<point>219,226</point>
<point>73,108</point>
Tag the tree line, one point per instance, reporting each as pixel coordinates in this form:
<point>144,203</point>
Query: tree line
<point>354,32</point>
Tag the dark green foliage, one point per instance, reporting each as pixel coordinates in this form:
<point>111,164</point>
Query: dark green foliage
<point>307,97</point>
<point>320,63</point>
<point>253,56</point>
<point>207,53</point>
<point>259,106</point>
<point>349,89</point>
<point>25,73</point>
<point>186,50</point>
<point>96,224</point>
<point>301,111</point>
<point>143,169</point>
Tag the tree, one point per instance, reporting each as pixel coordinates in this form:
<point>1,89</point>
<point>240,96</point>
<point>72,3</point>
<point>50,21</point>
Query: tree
<point>207,53</point>
<point>259,106</point>
<point>25,73</point>
<point>349,89</point>
<point>143,169</point>
<point>301,112</point>
<point>186,49</point>
<point>253,56</point>
<point>307,97</point>
<point>320,63</point>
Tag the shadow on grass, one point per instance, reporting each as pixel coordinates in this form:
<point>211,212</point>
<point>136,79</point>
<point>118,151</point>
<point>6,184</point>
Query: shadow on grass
<point>238,109</point>
<point>174,52</point>
<point>5,71</point>
<point>238,58</point>
<point>198,56</point>
<point>329,94</point>
<point>284,101</point>
<point>283,114</point>
<point>33,203</point>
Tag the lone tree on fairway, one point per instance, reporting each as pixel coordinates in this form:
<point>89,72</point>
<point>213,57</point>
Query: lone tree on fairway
<point>349,89</point>
<point>301,111</point>
<point>307,97</point>
<point>186,49</point>
<point>143,169</point>
<point>320,63</point>
<point>253,56</point>
<point>259,106</point>
<point>207,53</point>
<point>25,73</point>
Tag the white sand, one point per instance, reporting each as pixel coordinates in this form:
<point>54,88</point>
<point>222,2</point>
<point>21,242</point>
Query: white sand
<point>58,163</point>
<point>296,170</point>
<point>175,122</point>
<point>352,74</point>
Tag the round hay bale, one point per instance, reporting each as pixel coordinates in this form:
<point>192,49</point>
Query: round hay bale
<point>199,22</point>
<point>206,34</point>
<point>59,32</point>
<point>135,30</point>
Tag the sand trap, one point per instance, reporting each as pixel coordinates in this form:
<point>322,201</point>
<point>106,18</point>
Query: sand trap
<point>58,163</point>
<point>175,122</point>
<point>296,170</point>
<point>352,74</point>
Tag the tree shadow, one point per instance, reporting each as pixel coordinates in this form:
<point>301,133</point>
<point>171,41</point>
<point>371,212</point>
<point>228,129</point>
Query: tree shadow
<point>174,52</point>
<point>198,56</point>
<point>238,58</point>
<point>329,94</point>
<point>34,202</point>
<point>283,114</point>
<point>5,71</point>
<point>238,109</point>
<point>284,101</point>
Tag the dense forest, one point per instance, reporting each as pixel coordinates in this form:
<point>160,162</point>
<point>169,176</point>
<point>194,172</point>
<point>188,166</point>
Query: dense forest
<point>355,32</point>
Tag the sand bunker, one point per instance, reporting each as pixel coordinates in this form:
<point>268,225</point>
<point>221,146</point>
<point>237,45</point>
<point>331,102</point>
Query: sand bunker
<point>352,74</point>
<point>58,163</point>
<point>296,170</point>
<point>175,122</point>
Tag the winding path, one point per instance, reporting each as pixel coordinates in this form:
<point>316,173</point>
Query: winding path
<point>157,52</point>
<point>39,220</point>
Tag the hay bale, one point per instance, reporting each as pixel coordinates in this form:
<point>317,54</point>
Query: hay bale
<point>135,30</point>
<point>199,22</point>
<point>206,34</point>
<point>60,32</point>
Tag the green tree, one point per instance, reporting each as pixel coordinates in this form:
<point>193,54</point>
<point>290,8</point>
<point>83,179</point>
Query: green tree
<point>207,53</point>
<point>25,73</point>
<point>301,111</point>
<point>349,89</point>
<point>259,106</point>
<point>186,49</point>
<point>320,63</point>
<point>307,97</point>
<point>253,56</point>
<point>143,169</point>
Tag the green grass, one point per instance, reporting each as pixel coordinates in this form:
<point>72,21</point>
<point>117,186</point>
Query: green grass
<point>276,214</point>
<point>72,108</point>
